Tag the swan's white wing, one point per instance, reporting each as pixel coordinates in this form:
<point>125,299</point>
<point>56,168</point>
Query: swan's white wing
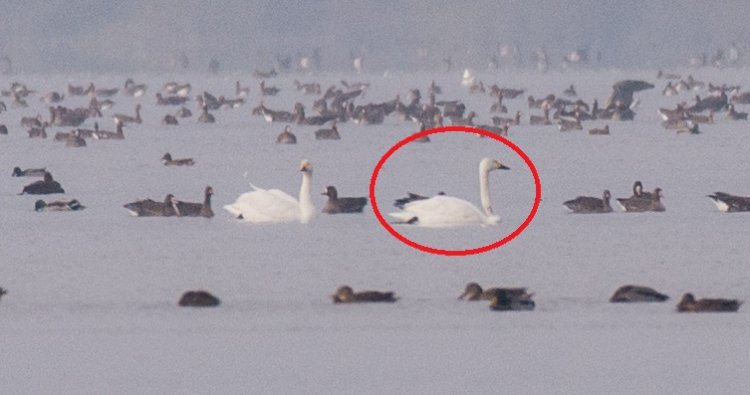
<point>441,211</point>
<point>266,206</point>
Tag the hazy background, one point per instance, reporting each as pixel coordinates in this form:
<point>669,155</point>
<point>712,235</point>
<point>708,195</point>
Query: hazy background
<point>144,35</point>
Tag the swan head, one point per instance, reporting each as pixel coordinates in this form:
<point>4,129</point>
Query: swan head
<point>305,166</point>
<point>489,164</point>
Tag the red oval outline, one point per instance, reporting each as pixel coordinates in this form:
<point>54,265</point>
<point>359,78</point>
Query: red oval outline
<point>471,251</point>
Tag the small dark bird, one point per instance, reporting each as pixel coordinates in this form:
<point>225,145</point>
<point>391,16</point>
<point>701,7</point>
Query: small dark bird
<point>198,299</point>
<point>636,293</point>
<point>688,304</point>
<point>168,161</point>
<point>43,187</point>
<point>345,294</point>
<point>337,205</point>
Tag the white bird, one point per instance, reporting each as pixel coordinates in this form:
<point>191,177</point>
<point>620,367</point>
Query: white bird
<point>275,206</point>
<point>442,210</point>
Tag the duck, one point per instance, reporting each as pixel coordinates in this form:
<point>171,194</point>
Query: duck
<point>337,205</point>
<point>588,204</point>
<point>168,161</point>
<point>185,209</point>
<point>328,134</point>
<point>637,293</point>
<point>599,131</point>
<point>730,203</point>
<point>651,202</point>
<point>688,304</point>
<point>441,210</point>
<point>3,130</point>
<point>286,137</point>
<point>275,206</point>
<point>474,292</point>
<point>152,208</point>
<point>40,132</point>
<point>198,298</point>
<point>184,112</point>
<point>43,187</point>
<point>58,205</point>
<point>39,172</point>
<point>345,294</point>
<point>276,116</point>
<point>129,119</point>
<point>170,100</point>
<point>504,301</point>
<point>570,91</point>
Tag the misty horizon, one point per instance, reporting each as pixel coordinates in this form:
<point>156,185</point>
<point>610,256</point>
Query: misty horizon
<point>148,36</point>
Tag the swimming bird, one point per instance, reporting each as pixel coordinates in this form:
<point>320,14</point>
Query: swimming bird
<point>599,131</point>
<point>268,90</point>
<point>588,204</point>
<point>130,119</point>
<point>75,140</point>
<point>152,208</point>
<point>637,293</point>
<point>502,300</point>
<point>186,209</point>
<point>730,203</point>
<point>688,304</point>
<point>17,172</point>
<point>58,205</point>
<point>286,137</point>
<point>169,119</point>
<point>43,187</point>
<point>643,203</point>
<point>735,115</point>
<point>336,205</point>
<point>133,89</point>
<point>345,294</point>
<point>328,134</point>
<point>205,116</point>
<point>3,291</point>
<point>240,91</point>
<point>474,292</point>
<point>275,206</point>
<point>444,210</point>
<point>118,134</point>
<point>198,299</point>
<point>168,161</point>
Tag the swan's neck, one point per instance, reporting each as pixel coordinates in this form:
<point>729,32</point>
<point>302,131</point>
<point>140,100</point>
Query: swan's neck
<point>484,190</point>
<point>307,210</point>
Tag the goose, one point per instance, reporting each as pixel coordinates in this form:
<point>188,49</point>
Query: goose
<point>107,135</point>
<point>599,131</point>
<point>736,116</point>
<point>133,89</point>
<point>540,120</point>
<point>170,100</point>
<point>276,116</point>
<point>441,210</point>
<point>730,203</point>
<point>310,89</point>
<point>636,293</point>
<point>184,112</point>
<point>688,304</point>
<point>337,205</point>
<point>644,203</point>
<point>17,172</point>
<point>58,205</point>
<point>570,91</point>
<point>328,134</point>
<point>565,125</point>
<point>127,118</point>
<point>105,92</point>
<point>667,75</point>
<point>52,97</point>
<point>225,103</point>
<point>474,292</point>
<point>75,140</point>
<point>3,291</point>
<point>198,299</point>
<point>169,119</point>
<point>40,132</point>
<point>345,294</point>
<point>152,208</point>
<point>588,204</point>
<point>268,91</point>
<point>3,129</point>
<point>32,122</point>
<point>43,187</point>
<point>498,106</point>
<point>240,91</point>
<point>206,117</point>
<point>690,128</point>
<point>185,209</point>
<point>468,121</point>
<point>275,206</point>
<point>286,137</point>
<point>500,121</point>
<point>505,301</point>
<point>168,161</point>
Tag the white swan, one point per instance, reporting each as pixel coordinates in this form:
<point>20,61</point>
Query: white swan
<point>273,205</point>
<point>442,210</point>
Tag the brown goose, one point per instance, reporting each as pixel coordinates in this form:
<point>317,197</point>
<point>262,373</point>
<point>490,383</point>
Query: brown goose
<point>540,120</point>
<point>345,294</point>
<point>588,204</point>
<point>337,205</point>
<point>474,292</point>
<point>328,134</point>
<point>206,117</point>
<point>688,304</point>
<point>276,116</point>
<point>198,299</point>
<point>635,204</point>
<point>185,209</point>
<point>599,131</point>
<point>636,293</point>
<point>168,161</point>
<point>286,137</point>
<point>502,300</point>
<point>170,100</point>
<point>43,187</point>
<point>152,208</point>
<point>133,89</point>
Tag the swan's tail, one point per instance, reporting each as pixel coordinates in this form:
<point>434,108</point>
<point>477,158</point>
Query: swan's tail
<point>404,218</point>
<point>236,212</point>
